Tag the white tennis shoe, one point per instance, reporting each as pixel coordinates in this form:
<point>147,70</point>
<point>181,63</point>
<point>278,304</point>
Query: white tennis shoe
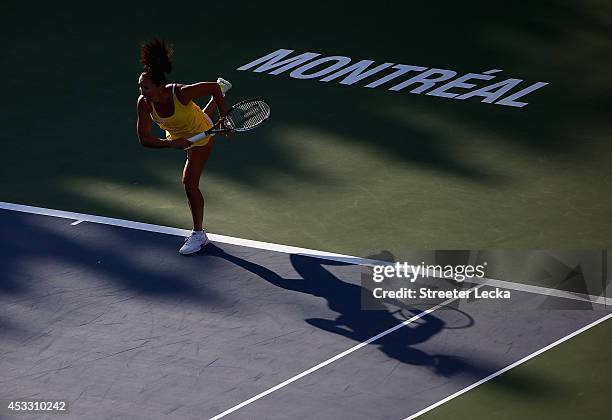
<point>194,242</point>
<point>224,84</point>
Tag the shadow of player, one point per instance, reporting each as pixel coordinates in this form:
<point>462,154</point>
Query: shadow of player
<point>352,321</point>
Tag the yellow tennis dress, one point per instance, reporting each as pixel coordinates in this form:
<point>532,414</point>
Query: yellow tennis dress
<point>187,120</point>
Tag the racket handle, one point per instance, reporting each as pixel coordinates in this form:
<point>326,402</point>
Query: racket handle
<point>197,137</point>
<point>207,133</point>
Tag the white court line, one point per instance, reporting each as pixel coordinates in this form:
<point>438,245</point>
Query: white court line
<point>507,368</point>
<point>184,232</point>
<point>333,359</point>
<point>76,223</point>
<point>502,284</point>
<point>286,249</point>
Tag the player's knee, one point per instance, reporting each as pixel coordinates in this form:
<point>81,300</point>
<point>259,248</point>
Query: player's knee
<point>190,184</point>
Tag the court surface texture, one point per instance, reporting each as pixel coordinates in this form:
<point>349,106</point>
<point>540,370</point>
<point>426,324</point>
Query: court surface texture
<point>108,318</point>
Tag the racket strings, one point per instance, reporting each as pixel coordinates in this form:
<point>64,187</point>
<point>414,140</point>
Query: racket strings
<point>247,115</point>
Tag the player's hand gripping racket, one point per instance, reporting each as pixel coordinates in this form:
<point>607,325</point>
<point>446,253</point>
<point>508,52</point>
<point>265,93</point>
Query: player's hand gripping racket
<point>244,116</point>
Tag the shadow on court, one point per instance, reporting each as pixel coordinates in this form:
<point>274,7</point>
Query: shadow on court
<point>93,260</point>
<point>115,257</point>
<point>87,292</point>
<point>361,325</point>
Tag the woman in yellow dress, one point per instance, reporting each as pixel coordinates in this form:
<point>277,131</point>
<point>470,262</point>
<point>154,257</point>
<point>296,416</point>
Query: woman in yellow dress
<point>172,108</point>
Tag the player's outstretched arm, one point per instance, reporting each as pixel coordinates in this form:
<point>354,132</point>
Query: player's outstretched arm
<point>203,90</point>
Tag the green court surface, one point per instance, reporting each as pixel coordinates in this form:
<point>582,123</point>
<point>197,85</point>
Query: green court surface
<point>569,381</point>
<point>339,168</point>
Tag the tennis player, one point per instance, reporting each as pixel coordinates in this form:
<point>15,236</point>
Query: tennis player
<point>172,108</point>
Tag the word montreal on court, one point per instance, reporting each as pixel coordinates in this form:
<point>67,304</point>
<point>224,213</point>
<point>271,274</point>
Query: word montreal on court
<point>430,81</point>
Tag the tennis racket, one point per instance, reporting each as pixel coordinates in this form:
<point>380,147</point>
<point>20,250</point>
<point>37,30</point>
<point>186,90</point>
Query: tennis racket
<point>243,116</point>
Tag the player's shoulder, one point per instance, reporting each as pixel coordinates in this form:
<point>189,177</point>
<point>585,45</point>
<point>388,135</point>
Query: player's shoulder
<point>177,87</point>
<point>180,92</point>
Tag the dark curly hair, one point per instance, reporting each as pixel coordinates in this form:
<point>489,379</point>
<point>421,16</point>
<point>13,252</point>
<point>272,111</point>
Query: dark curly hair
<point>155,57</point>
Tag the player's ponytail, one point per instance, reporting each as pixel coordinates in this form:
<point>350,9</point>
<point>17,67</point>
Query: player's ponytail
<point>155,57</point>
